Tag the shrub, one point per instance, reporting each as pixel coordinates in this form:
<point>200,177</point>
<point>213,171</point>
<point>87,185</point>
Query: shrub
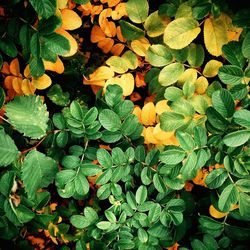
<point>124,125</point>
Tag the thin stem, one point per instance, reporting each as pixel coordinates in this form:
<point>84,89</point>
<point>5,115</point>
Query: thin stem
<point>34,147</point>
<point>25,21</point>
<point>5,119</point>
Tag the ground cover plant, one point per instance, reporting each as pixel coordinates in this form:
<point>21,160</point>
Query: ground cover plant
<point>124,124</point>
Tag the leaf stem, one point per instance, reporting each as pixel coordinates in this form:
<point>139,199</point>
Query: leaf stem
<point>1,117</point>
<point>34,147</point>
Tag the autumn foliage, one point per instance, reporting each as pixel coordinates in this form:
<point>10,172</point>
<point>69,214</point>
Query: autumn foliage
<point>124,124</point>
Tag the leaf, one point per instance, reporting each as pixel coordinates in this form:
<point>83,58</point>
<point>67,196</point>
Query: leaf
<point>117,64</point>
<point>28,115</point>
<point>223,102</point>
<point>172,156</point>
<point>246,46</point>
<point>228,197</point>
<point>42,82</point>
<point>196,55</point>
<point>170,121</point>
<point>154,25</point>
<point>8,47</point>
<point>243,185</point>
<point>36,67</point>
<point>57,96</point>
<point>233,53</point>
<point>8,149</point>
<point>215,213</point>
<point>81,183</point>
<point>242,117</point>
<point>159,183</point>
<point>148,114</point>
<point>56,43</point>
<point>47,26</point>
<point>170,74</point>
<point>137,10</point>
<point>237,138</point>
<point>186,141</point>
<point>189,169</point>
<point>231,74</point>
<point>109,120</point>
<point>216,178</point>
<point>181,32</point>
<point>70,19</point>
<point>38,171</point>
<point>215,35</point>
<point>141,195</point>
<point>244,202</point>
<point>79,221</point>
<point>104,225</point>
<point>44,8</point>
<point>130,31</point>
<point>211,68</point>
<point>159,55</point>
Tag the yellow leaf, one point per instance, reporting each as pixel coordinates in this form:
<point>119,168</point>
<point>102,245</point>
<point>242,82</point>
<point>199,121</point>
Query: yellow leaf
<point>188,75</point>
<point>160,134</point>
<point>127,84</point>
<point>137,112</point>
<point>57,67</point>
<point>161,107</point>
<point>215,35</point>
<point>106,44</point>
<point>27,87</point>
<point>72,42</point>
<point>26,71</point>
<point>201,85</point>
<point>211,68</point>
<point>215,213</point>
<point>96,34</point>
<point>184,10</point>
<point>42,82</point>
<point>148,114</point>
<point>119,12</point>
<point>61,4</point>
<point>70,20</point>
<point>181,32</point>
<point>140,46</point>
<point>112,3</point>
<point>149,137</point>
<point>117,49</point>
<point>14,67</point>
<point>103,16</point>
<point>117,64</point>
<point>101,73</point>
<point>131,59</point>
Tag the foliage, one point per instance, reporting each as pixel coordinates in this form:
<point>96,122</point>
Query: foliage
<point>124,124</point>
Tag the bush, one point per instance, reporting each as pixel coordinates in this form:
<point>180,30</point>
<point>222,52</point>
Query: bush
<point>124,125</point>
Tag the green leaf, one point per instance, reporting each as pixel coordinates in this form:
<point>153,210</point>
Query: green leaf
<point>104,225</point>
<point>172,156</point>
<point>137,10</point>
<point>216,178</point>
<point>170,74</point>
<point>76,110</point>
<point>70,161</point>
<point>28,115</point>
<point>159,183</point>
<point>186,141</point>
<point>243,185</point>
<point>223,102</point>
<point>111,137</point>
<point>131,200</point>
<point>198,245</point>
<point>228,197</point>
<point>129,125</point>
<point>130,31</point>
<point>189,169</point>
<point>246,46</point>
<point>8,47</point>
<point>57,96</point>
<point>59,121</point>
<point>159,55</point>
<point>154,25</point>
<point>236,138</point>
<point>56,43</point>
<point>233,53</point>
<point>154,213</point>
<point>242,117</point>
<point>110,120</point>
<point>200,136</point>
<point>6,183</point>
<point>1,62</point>
<point>196,55</point>
<point>81,183</point>
<point>90,169</point>
<point>44,8</point>
<point>62,139</point>
<point>201,10</point>
<point>35,45</point>
<point>90,116</point>
<point>47,26</point>
<point>244,202</point>
<point>141,194</point>
<point>231,74</point>
<point>142,235</point>
<point>113,95</point>
<point>104,177</point>
<point>38,171</point>
<point>181,32</point>
<point>173,93</point>
<point>110,216</point>
<point>117,64</point>
<point>36,67</point>
<point>79,221</point>
<point>104,158</point>
<point>8,149</point>
<point>170,121</point>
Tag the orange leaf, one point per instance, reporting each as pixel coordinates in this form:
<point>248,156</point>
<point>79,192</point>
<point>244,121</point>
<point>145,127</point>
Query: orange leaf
<point>109,28</point>
<point>14,67</point>
<point>215,213</point>
<point>70,20</point>
<point>106,44</point>
<point>119,34</point>
<point>139,80</point>
<point>26,71</point>
<point>117,49</point>
<point>135,96</point>
<point>8,82</point>
<point>5,68</point>
<point>27,87</point>
<point>112,3</point>
<point>97,34</point>
<point>85,8</point>
<point>17,85</point>
<point>103,16</point>
<point>57,67</point>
